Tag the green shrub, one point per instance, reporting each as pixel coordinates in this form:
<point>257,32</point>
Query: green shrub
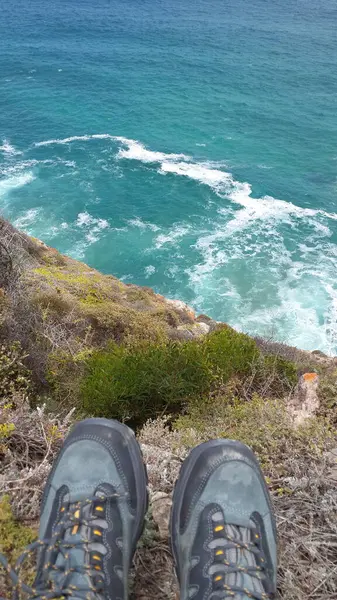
<point>272,376</point>
<point>14,536</point>
<point>146,380</point>
<point>14,376</point>
<point>141,382</point>
<point>53,302</point>
<point>282,368</point>
<point>151,378</point>
<point>230,352</point>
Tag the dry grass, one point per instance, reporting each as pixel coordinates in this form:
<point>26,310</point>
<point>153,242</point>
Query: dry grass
<point>28,449</point>
<point>303,488</point>
<point>307,529</point>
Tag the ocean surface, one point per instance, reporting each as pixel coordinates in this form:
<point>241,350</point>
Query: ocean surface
<point>186,145</point>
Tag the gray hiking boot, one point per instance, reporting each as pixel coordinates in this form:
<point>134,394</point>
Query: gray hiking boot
<point>92,514</point>
<point>223,529</point>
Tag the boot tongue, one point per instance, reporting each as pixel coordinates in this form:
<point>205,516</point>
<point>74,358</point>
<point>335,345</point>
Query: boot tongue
<point>244,558</point>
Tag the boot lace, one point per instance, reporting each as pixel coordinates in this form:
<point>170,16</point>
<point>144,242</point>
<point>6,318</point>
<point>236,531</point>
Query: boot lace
<point>238,559</point>
<point>56,576</point>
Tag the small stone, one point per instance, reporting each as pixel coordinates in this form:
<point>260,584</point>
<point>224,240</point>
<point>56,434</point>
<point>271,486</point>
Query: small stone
<point>161,509</point>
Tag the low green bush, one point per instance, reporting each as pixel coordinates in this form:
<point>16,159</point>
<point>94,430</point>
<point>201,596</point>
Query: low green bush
<point>282,368</point>
<point>230,353</point>
<point>14,536</point>
<point>143,381</point>
<point>14,375</point>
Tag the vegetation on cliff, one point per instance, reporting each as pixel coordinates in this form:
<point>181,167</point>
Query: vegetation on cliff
<point>75,342</point>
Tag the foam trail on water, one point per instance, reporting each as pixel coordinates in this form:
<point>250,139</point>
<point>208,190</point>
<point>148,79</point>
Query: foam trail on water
<point>75,138</point>
<point>136,151</point>
<point>177,233</point>
<point>206,173</point>
<point>7,148</point>
<point>221,182</point>
<point>133,150</point>
<point>201,172</point>
<point>296,300</point>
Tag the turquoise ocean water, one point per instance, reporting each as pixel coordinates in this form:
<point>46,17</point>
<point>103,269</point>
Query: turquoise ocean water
<point>187,145</point>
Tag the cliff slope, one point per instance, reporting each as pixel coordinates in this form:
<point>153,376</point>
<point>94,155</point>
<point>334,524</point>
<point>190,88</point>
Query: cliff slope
<point>75,342</point>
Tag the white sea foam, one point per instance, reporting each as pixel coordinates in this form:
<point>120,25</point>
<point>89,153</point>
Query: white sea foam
<point>22,165</point>
<point>138,222</point>
<point>220,181</point>
<point>201,172</point>
<point>176,233</point>
<point>294,316</point>
<point>131,149</point>
<point>296,296</point>
<point>27,218</point>
<point>93,226</point>
<point>301,288</point>
<point>149,270</point>
<point>84,219</point>
<point>7,148</point>
<point>78,250</point>
<point>136,151</point>
<point>14,182</point>
<point>75,138</point>
<point>206,173</point>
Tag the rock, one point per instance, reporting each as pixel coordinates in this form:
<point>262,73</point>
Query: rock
<point>319,353</point>
<point>194,330</point>
<point>213,325</point>
<point>181,333</point>
<point>203,319</point>
<point>161,509</point>
<point>200,328</point>
<point>305,402</point>
<point>182,306</point>
<point>216,325</point>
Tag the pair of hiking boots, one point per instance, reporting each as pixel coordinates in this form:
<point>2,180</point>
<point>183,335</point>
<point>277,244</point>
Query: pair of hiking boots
<point>223,531</point>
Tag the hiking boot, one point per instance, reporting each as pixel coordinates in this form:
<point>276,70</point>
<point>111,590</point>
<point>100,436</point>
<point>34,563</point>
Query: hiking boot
<point>92,513</point>
<point>223,530</point>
